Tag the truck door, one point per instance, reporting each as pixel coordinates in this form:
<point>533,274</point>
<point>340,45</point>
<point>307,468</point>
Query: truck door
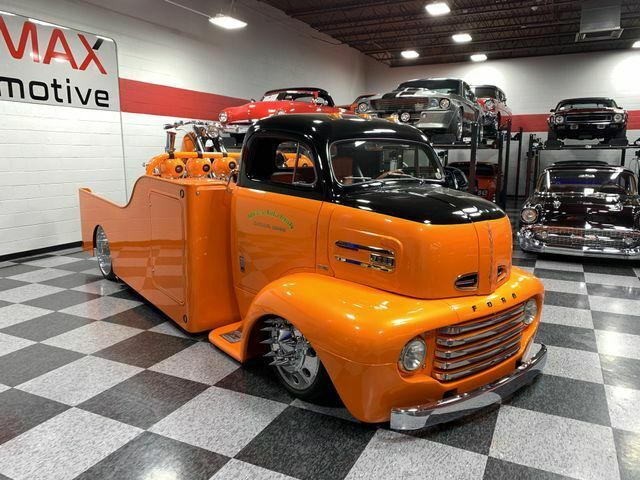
<point>275,210</point>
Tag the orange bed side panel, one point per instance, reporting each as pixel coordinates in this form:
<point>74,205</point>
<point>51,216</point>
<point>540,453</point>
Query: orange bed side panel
<point>170,243</point>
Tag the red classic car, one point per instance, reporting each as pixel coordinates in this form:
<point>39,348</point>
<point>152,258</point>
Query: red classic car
<point>237,120</point>
<point>494,105</point>
<point>486,178</point>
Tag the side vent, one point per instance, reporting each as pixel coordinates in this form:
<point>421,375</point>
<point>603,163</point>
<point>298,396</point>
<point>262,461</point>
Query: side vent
<point>468,281</point>
<point>502,273</point>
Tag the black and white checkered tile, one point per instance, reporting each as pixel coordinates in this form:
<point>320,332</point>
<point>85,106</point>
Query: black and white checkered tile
<point>95,384</point>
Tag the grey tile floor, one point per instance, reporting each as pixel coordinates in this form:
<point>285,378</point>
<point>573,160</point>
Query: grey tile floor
<point>97,384</point>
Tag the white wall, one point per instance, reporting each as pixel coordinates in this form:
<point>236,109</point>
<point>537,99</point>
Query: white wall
<point>533,86</point>
<point>48,151</point>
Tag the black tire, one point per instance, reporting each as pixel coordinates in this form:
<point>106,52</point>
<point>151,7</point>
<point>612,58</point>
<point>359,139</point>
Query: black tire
<point>321,391</point>
<point>103,254</point>
<point>552,135</point>
<point>457,126</point>
<point>621,134</point>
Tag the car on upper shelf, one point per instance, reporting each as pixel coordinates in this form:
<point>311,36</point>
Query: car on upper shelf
<point>237,120</point>
<point>588,118</point>
<point>486,178</point>
<point>583,208</point>
<point>497,114</point>
<point>353,105</point>
<point>434,105</point>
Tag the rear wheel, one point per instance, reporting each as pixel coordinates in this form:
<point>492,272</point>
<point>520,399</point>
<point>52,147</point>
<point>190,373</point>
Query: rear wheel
<point>296,363</point>
<point>103,254</point>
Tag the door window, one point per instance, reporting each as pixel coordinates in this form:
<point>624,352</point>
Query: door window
<point>281,163</point>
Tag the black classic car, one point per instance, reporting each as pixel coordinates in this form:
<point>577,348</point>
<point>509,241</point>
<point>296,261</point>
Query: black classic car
<point>583,208</point>
<point>434,105</point>
<point>588,119</point>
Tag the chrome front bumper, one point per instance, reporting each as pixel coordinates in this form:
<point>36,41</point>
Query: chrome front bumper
<point>236,128</point>
<point>446,410</point>
<point>530,244</point>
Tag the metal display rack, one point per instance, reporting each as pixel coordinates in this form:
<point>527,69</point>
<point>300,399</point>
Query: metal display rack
<point>502,146</point>
<point>537,146</point>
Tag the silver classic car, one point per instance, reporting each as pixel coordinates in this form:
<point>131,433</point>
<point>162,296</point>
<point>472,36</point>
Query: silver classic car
<point>434,105</point>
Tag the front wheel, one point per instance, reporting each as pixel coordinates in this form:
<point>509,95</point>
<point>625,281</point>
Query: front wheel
<point>457,126</point>
<point>103,254</point>
<point>296,363</point>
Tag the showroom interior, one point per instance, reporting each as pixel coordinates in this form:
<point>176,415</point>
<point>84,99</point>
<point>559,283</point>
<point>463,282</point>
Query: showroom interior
<point>341,239</point>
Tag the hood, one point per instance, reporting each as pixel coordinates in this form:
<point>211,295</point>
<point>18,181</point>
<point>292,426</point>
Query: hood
<point>427,203</point>
<point>409,93</point>
<point>420,241</point>
<point>588,211</point>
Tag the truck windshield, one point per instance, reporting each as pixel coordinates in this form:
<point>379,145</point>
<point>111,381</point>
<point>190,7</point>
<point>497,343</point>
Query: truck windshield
<point>360,161</point>
<point>588,181</point>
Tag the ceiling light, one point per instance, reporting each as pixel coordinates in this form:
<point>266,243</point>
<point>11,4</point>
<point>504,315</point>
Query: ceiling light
<point>409,54</point>
<point>437,8</point>
<point>225,21</point>
<point>461,37</point>
<point>478,57</point>
<point>636,44</point>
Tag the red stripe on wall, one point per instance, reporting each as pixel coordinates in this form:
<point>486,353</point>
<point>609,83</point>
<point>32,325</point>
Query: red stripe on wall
<point>152,99</point>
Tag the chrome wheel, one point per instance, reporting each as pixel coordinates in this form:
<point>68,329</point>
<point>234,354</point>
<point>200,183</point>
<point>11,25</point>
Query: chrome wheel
<point>291,354</point>
<point>103,253</point>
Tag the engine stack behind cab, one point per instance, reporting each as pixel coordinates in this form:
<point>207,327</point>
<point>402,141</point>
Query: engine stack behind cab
<point>336,253</point>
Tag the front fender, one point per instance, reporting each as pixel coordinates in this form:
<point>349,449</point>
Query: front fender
<point>367,325</point>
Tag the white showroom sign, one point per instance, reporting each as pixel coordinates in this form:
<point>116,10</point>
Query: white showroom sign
<point>50,64</point>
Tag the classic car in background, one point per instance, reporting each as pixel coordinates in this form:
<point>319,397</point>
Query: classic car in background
<point>497,114</point>
<point>589,118</point>
<point>583,208</point>
<point>486,178</point>
<point>237,120</point>
<point>354,105</point>
<point>198,136</point>
<point>434,105</point>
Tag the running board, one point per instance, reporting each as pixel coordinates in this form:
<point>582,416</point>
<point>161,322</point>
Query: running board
<point>228,339</point>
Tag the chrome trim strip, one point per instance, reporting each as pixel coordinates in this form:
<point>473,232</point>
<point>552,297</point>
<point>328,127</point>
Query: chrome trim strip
<point>447,365</point>
<point>446,354</point>
<point>362,264</point>
<point>449,376</point>
<point>369,248</point>
<point>445,410</point>
<point>532,245</point>
<point>476,325</point>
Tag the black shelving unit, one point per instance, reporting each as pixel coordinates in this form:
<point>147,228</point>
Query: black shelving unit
<point>502,147</point>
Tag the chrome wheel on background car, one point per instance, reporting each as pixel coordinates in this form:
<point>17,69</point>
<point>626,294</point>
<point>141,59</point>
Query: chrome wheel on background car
<point>292,356</point>
<point>103,254</point>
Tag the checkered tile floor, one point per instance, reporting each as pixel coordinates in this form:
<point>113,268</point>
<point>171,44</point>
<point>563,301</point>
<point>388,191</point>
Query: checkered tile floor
<point>95,384</point>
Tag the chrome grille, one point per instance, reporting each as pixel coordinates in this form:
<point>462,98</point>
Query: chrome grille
<point>589,117</point>
<point>397,104</point>
<point>473,346</point>
<point>590,238</point>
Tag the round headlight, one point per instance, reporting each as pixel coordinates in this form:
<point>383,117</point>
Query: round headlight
<point>405,117</point>
<point>444,103</point>
<point>530,311</point>
<point>412,355</point>
<point>618,117</point>
<point>213,131</point>
<point>362,107</point>
<point>489,104</point>
<point>222,117</point>
<point>559,119</point>
<point>433,102</point>
<point>529,215</point>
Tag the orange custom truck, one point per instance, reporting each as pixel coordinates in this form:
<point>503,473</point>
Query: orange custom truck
<point>351,268</point>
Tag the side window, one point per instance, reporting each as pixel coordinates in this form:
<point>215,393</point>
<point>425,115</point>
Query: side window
<point>467,92</point>
<point>281,162</point>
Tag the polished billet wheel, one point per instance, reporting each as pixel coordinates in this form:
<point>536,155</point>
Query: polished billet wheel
<point>295,361</point>
<point>103,254</point>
